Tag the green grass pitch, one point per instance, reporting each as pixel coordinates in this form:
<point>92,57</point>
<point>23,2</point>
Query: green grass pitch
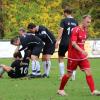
<point>45,89</point>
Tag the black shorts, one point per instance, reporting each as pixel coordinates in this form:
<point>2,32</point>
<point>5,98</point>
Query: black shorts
<point>37,50</point>
<point>63,48</point>
<point>12,74</point>
<point>49,49</point>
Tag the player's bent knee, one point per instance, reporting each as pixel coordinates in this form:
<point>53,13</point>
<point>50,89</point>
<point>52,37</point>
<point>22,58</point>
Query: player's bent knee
<point>88,72</point>
<point>46,58</point>
<point>69,74</point>
<point>33,57</point>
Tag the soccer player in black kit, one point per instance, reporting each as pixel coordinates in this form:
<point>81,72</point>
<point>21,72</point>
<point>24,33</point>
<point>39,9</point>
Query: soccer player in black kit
<point>18,68</point>
<point>33,44</point>
<point>49,40</point>
<point>64,33</point>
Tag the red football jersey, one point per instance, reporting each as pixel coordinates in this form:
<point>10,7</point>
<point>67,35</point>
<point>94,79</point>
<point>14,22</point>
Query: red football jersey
<point>79,36</point>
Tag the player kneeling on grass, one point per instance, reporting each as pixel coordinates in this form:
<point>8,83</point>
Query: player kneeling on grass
<point>18,69</point>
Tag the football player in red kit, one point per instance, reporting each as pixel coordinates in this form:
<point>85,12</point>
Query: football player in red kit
<point>77,56</point>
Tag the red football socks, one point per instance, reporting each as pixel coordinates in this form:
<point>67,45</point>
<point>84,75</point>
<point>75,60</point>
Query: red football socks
<point>63,82</point>
<point>90,83</point>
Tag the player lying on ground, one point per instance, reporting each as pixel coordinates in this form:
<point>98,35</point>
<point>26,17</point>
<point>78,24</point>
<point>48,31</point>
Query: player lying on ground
<point>33,44</point>
<point>18,69</point>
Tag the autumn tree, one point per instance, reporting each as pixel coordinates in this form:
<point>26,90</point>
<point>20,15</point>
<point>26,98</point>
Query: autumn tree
<point>18,13</point>
<point>1,21</point>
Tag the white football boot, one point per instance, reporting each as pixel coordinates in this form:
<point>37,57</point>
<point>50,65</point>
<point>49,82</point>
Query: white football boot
<point>96,93</point>
<point>62,93</point>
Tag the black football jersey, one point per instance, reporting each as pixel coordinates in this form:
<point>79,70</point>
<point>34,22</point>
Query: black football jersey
<point>67,24</point>
<point>29,41</point>
<point>45,35</point>
<point>20,67</point>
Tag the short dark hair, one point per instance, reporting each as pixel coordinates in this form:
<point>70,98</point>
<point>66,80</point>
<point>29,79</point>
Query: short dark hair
<point>13,40</point>
<point>68,11</point>
<point>17,54</point>
<point>31,25</point>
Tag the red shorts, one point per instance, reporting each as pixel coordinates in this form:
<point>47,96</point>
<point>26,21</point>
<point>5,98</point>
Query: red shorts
<point>72,64</point>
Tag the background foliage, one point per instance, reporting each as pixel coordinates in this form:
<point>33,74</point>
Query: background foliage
<point>18,13</point>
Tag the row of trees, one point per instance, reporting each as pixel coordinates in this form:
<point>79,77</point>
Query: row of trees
<point>18,13</point>
<point>1,21</point>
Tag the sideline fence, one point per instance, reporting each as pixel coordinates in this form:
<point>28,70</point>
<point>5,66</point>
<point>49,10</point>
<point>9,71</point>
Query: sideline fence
<point>91,46</point>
